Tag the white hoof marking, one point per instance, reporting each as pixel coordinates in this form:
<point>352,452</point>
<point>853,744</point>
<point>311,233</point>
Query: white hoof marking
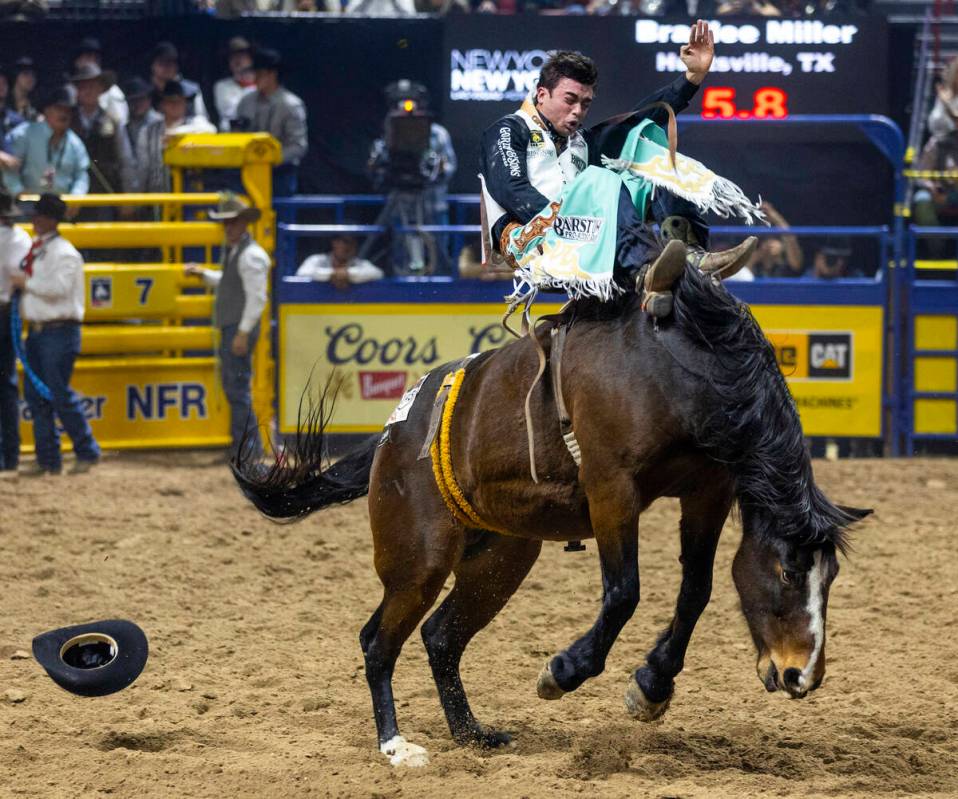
<point>402,753</point>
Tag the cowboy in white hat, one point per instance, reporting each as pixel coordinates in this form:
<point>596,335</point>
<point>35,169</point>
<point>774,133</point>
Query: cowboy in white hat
<point>240,300</point>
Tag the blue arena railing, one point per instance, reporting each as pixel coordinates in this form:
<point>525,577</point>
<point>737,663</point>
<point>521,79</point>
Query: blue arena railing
<point>889,289</point>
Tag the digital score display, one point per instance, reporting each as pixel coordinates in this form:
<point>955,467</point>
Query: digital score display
<point>764,68</point>
<point>724,102</point>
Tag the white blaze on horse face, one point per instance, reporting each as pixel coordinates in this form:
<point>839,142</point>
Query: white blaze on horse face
<point>402,753</point>
<point>816,621</point>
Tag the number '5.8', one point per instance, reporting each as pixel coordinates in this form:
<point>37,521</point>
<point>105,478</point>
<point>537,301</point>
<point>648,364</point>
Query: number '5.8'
<point>719,101</point>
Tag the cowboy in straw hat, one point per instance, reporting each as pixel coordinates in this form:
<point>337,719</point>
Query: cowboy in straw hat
<point>240,299</point>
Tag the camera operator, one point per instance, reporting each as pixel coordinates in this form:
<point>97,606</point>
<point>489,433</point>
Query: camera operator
<point>413,162</point>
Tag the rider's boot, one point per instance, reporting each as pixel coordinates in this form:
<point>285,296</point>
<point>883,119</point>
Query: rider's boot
<point>658,279</point>
<point>722,264</point>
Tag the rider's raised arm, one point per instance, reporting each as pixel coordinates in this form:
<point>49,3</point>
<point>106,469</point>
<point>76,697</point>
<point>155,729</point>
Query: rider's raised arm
<point>697,57</point>
<point>678,94</point>
<point>503,163</point>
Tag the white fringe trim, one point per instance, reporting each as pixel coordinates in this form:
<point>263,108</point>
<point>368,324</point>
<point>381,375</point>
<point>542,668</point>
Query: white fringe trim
<point>525,283</point>
<point>725,198</point>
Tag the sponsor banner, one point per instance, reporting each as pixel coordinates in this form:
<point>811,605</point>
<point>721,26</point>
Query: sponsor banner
<point>830,355</point>
<point>147,403</point>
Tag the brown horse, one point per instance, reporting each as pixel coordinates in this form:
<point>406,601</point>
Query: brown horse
<point>692,406</point>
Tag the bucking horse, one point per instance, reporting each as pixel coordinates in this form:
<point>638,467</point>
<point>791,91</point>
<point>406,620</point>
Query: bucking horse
<point>691,406</point>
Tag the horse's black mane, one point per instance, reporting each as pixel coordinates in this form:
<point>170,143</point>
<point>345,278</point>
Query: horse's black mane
<point>755,428</point>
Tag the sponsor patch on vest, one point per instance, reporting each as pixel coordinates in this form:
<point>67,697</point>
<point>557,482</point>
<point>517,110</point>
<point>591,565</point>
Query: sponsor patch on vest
<point>578,163</point>
<point>577,228</point>
<point>536,139</point>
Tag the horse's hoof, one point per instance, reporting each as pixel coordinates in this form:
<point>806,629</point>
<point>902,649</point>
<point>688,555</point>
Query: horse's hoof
<point>547,687</point>
<point>490,739</point>
<point>638,705</point>
<point>402,753</point>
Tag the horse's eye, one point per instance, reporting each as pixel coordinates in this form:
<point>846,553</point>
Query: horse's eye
<point>790,578</point>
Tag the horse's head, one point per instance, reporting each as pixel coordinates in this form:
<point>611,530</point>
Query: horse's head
<point>783,586</point>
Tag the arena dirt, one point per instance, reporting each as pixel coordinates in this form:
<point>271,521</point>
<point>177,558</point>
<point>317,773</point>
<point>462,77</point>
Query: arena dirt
<point>255,684</point>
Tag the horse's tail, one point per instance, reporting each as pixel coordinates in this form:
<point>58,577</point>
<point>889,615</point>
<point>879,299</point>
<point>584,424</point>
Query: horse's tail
<point>297,483</point>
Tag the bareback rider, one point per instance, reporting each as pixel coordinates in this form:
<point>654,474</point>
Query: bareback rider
<point>529,156</point>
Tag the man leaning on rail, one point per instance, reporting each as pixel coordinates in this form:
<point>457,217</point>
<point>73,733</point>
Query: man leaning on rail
<point>529,157</point>
<point>240,299</point>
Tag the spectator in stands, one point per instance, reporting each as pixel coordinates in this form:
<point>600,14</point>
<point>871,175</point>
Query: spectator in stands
<point>24,84</point>
<point>51,156</point>
<point>941,120</point>
<point>229,91</point>
<point>14,245</point>
<point>273,109</point>
<point>936,199</point>
<point>53,304</point>
<point>776,256</point>
<point>9,118</point>
<point>833,260</point>
<point>152,173</point>
<point>109,149</point>
<point>240,300</point>
<point>165,67</point>
<point>141,114</point>
<point>112,99</point>
<point>340,266</point>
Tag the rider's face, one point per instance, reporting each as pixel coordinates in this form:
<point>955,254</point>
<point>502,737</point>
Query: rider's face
<point>566,105</point>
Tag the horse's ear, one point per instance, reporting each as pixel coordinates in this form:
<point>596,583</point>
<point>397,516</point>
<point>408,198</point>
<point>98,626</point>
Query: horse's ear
<point>856,513</point>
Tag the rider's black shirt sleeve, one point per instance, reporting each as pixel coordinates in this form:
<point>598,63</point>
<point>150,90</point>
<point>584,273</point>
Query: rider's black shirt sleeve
<point>607,139</point>
<point>503,162</point>
<point>678,94</point>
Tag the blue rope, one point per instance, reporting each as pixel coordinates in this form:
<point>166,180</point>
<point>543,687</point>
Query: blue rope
<point>16,333</point>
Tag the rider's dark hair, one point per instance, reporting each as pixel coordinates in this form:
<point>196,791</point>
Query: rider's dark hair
<point>568,64</point>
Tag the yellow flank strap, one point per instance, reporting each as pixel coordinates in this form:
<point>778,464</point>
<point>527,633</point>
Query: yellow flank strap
<point>441,453</point>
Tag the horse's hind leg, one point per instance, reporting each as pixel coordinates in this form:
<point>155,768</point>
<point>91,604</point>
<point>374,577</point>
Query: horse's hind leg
<point>488,574</point>
<point>413,564</point>
<point>703,515</point>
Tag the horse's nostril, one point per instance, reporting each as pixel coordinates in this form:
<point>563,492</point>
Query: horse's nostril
<point>792,678</point>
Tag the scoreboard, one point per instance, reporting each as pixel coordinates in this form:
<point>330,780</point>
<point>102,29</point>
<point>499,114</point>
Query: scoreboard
<point>763,68</point>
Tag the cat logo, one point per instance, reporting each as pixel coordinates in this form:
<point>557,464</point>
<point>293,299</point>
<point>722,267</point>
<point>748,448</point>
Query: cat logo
<point>813,356</point>
<point>830,355</point>
<point>536,139</point>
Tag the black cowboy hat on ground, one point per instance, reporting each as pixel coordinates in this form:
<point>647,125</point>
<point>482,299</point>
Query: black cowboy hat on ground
<point>93,659</point>
<point>50,205</point>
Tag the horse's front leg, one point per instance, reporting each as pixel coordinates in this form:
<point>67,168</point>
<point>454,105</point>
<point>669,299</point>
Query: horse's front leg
<point>703,515</point>
<point>613,510</point>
